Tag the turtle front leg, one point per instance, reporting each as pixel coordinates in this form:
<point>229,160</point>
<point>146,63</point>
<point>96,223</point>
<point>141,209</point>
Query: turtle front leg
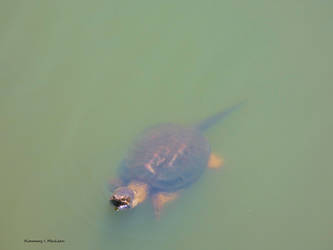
<point>215,161</point>
<point>160,199</point>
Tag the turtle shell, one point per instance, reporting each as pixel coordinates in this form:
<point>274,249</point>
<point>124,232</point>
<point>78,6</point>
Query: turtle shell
<point>167,157</point>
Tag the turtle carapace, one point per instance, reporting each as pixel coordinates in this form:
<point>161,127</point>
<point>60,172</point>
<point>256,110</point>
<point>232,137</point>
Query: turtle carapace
<point>164,160</point>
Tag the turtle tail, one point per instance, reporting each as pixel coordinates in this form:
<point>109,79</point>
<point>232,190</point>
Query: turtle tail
<point>210,121</point>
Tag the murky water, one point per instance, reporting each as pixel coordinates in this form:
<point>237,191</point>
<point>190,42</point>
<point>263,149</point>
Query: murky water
<point>80,80</point>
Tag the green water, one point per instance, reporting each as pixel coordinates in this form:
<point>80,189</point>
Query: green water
<point>80,79</point>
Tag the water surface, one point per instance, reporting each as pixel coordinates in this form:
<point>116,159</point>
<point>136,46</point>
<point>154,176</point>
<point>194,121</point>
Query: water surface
<point>80,80</point>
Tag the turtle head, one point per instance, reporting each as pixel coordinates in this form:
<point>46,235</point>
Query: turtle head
<point>122,198</point>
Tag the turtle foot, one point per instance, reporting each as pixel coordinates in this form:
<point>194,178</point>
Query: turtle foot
<point>215,161</point>
<point>160,199</point>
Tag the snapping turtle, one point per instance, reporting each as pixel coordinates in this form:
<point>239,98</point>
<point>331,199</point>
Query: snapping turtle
<point>166,159</point>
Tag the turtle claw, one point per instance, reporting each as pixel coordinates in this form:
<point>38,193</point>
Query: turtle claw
<point>215,161</point>
<point>160,199</point>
